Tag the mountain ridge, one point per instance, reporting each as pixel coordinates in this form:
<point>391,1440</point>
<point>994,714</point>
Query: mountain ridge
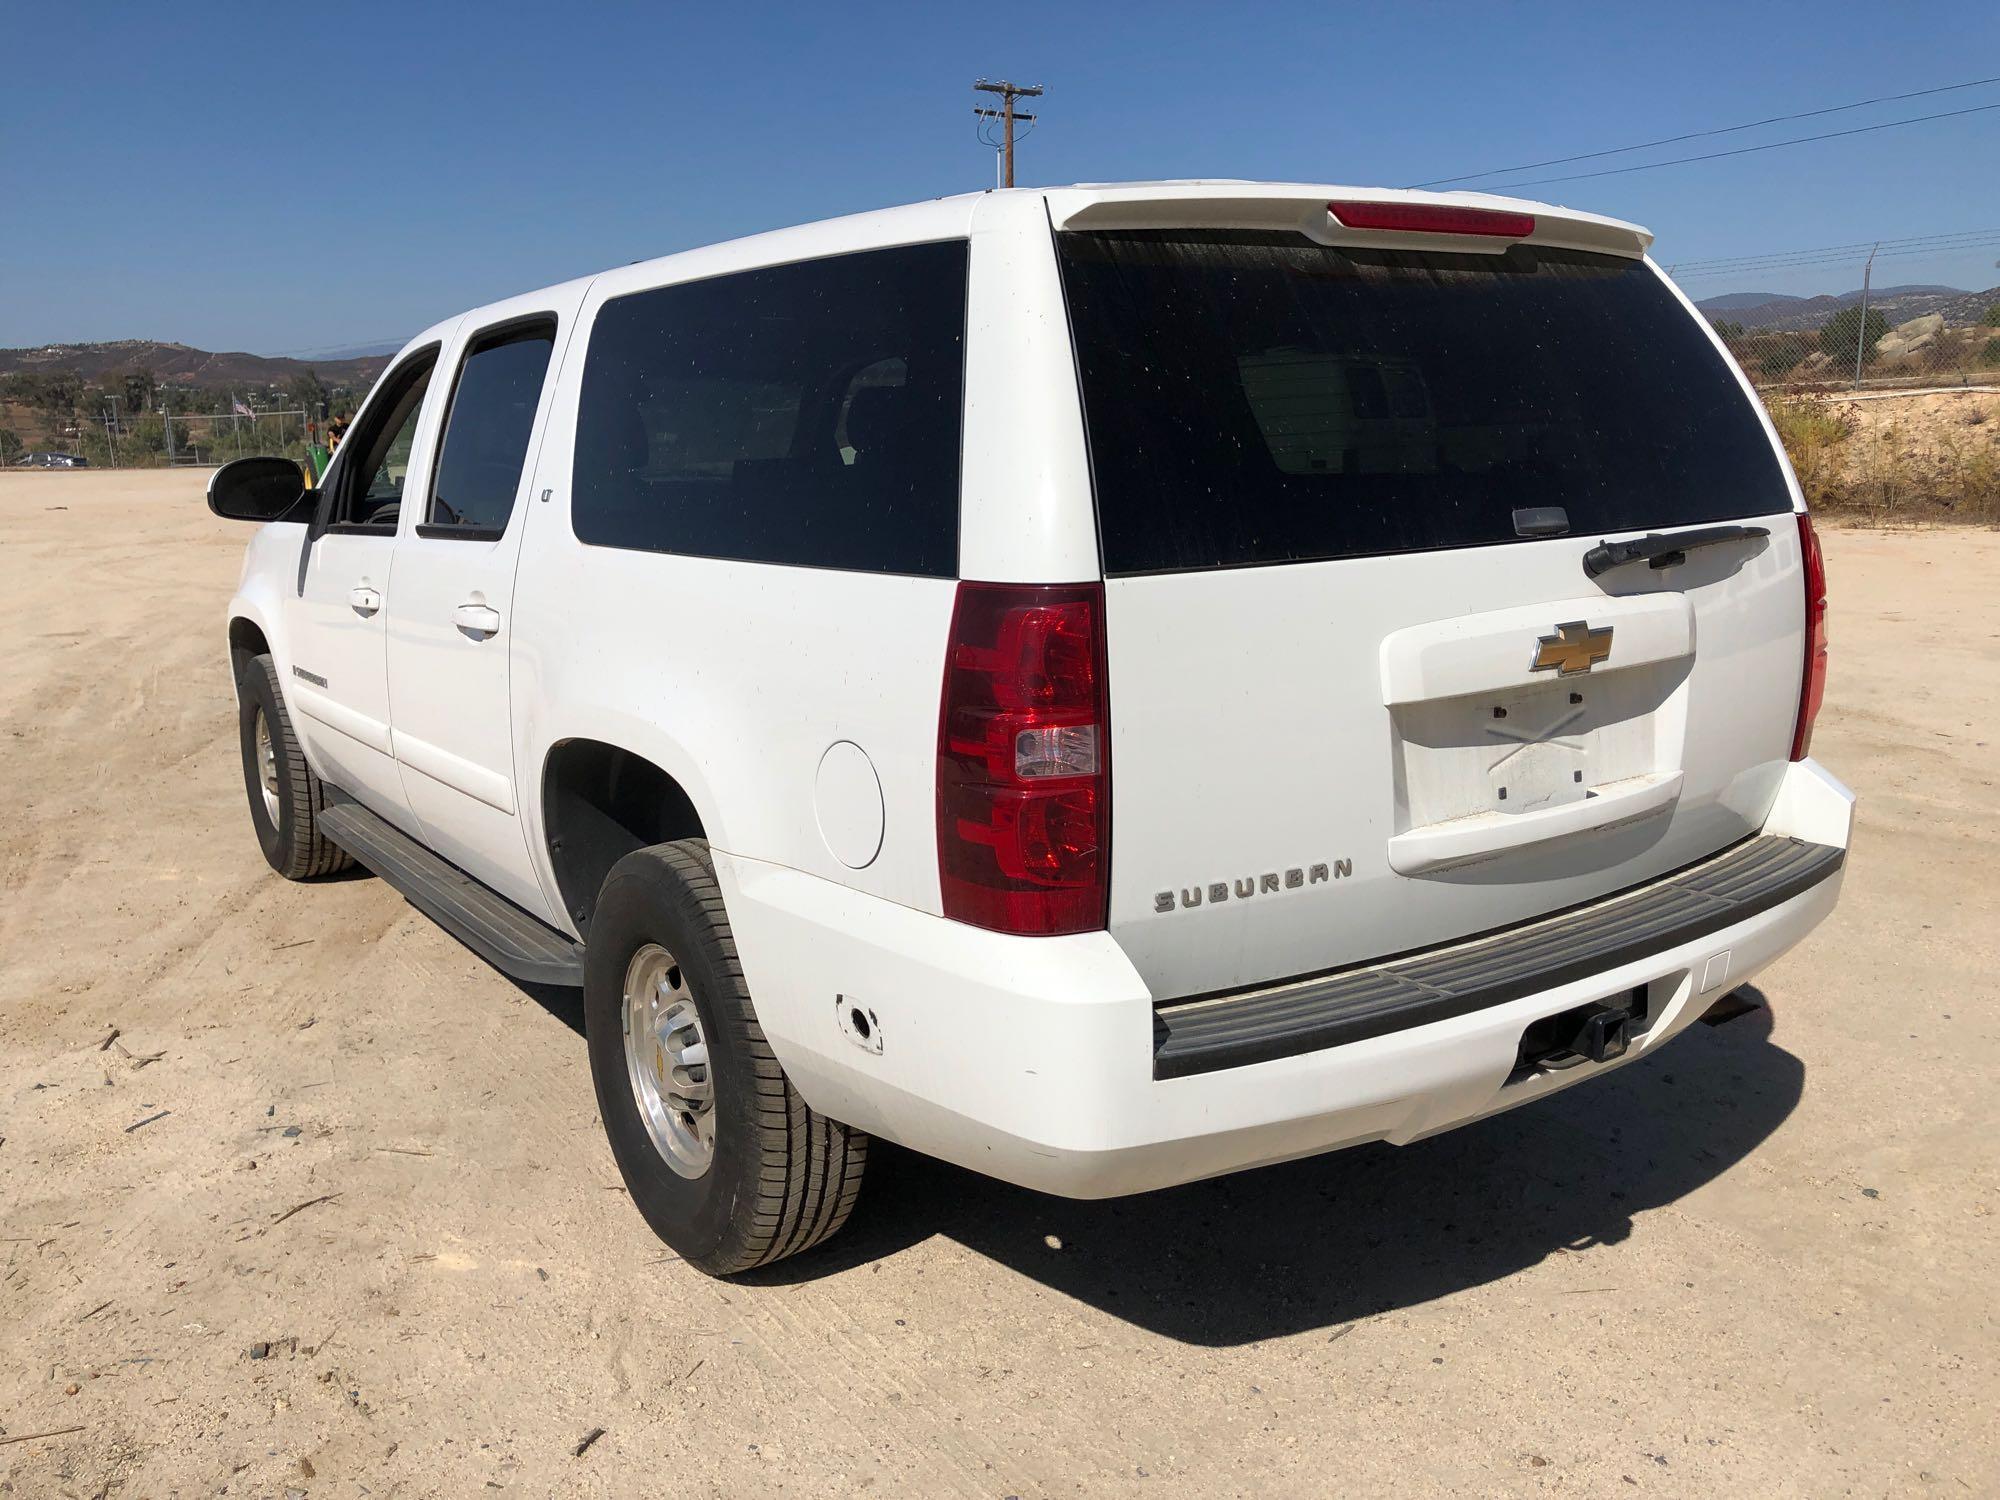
<point>1780,312</point>
<point>183,364</point>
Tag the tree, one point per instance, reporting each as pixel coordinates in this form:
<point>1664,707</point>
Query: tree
<point>1992,318</point>
<point>136,391</point>
<point>308,392</point>
<point>11,446</point>
<point>1837,335</point>
<point>58,396</point>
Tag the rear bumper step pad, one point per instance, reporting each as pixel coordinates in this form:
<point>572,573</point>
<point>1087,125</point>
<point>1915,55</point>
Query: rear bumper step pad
<point>1230,1031</point>
<point>515,943</point>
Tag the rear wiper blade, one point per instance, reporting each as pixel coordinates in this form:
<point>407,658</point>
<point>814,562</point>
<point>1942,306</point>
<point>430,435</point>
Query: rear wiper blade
<point>1664,551</point>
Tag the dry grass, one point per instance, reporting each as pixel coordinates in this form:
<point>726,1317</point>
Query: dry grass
<point>1931,457</point>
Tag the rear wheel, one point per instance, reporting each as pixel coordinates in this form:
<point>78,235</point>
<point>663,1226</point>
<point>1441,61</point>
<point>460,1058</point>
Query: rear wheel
<point>285,796</point>
<point>719,1152</point>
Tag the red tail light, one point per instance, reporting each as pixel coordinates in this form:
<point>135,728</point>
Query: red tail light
<point>1812,688</point>
<point>1433,218</point>
<point>1024,743</point>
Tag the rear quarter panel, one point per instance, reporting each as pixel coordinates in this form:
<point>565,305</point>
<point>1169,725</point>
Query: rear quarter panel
<point>734,677</point>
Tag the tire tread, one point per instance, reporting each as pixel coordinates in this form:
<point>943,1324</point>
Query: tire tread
<point>809,1167</point>
<point>308,852</point>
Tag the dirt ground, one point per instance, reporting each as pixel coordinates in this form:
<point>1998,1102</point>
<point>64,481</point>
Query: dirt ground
<point>333,1215</point>
<point>1920,424</point>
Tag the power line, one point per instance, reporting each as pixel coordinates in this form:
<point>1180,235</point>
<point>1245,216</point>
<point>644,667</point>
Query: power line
<point>1848,259</point>
<point>1913,239</point>
<point>1677,161</point>
<point>1696,135</point>
<point>1940,242</point>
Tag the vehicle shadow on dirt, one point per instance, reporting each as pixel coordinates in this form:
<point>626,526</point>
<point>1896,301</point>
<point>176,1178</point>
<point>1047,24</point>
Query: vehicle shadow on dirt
<point>1319,1243</point>
<point>564,1002</point>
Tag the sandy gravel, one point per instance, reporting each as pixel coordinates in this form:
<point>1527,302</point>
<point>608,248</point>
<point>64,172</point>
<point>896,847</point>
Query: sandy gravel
<point>1760,1264</point>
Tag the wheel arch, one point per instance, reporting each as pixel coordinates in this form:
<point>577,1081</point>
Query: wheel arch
<point>246,640</point>
<point>599,802</point>
<point>256,612</point>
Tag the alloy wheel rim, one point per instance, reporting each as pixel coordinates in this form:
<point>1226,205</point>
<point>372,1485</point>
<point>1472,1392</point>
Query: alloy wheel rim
<point>267,767</point>
<point>666,1061</point>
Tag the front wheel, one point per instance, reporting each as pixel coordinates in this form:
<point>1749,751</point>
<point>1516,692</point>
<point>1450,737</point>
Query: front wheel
<point>285,795</point>
<point>720,1154</point>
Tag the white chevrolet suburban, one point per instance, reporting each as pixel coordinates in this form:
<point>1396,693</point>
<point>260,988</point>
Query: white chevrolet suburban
<point>1106,685</point>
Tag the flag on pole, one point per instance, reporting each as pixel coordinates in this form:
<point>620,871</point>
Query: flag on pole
<point>237,408</point>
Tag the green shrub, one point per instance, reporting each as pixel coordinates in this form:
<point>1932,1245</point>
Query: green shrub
<point>1777,358</point>
<point>1837,334</point>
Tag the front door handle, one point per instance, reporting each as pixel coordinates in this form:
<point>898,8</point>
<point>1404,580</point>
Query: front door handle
<point>364,599</point>
<point>476,619</point>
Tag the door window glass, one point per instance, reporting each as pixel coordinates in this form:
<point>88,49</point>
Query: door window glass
<point>487,430</point>
<point>375,456</point>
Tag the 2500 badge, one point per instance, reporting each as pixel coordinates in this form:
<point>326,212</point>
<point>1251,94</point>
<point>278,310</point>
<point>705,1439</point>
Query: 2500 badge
<point>1268,884</point>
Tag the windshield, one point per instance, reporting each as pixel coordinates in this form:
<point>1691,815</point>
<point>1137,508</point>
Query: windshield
<point>1257,398</point>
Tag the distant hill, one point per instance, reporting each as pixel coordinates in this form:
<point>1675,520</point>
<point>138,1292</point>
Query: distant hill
<point>1730,301</point>
<point>1779,312</point>
<point>351,351</point>
<point>183,365</point>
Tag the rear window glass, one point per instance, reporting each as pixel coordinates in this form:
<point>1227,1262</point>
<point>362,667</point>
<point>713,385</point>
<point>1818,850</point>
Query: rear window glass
<point>806,414</point>
<point>1257,398</point>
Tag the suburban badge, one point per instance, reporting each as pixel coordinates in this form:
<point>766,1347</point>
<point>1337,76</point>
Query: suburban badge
<point>1244,887</point>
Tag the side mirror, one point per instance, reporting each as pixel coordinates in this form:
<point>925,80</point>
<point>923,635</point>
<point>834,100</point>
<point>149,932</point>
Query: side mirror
<point>260,489</point>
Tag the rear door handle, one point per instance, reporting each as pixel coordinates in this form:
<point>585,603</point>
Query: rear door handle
<point>364,599</point>
<point>476,619</point>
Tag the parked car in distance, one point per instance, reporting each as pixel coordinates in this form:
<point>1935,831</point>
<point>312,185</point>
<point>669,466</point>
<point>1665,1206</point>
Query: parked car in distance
<point>52,461</point>
<point>1105,685</point>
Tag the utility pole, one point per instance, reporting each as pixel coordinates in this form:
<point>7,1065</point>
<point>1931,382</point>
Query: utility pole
<point>1007,114</point>
<point>1861,333</point>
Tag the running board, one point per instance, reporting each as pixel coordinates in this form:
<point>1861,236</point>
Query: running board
<point>518,945</point>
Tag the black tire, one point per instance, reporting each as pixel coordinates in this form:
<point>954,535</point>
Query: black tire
<point>292,842</point>
<point>781,1178</point>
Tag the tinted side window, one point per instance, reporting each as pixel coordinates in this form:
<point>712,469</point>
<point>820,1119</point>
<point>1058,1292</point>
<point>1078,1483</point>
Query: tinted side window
<point>486,431</point>
<point>374,456</point>
<point>804,414</point>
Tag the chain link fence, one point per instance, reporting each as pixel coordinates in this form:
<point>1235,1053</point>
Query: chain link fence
<point>154,440</point>
<point>1854,349</point>
<point>1913,315</point>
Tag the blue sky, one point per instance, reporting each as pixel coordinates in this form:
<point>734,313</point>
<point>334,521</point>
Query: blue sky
<point>289,178</point>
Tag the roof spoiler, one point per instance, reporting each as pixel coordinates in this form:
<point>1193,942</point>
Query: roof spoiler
<point>1304,209</point>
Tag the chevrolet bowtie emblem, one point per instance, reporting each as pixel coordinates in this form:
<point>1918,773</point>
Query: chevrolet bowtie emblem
<point>1573,650</point>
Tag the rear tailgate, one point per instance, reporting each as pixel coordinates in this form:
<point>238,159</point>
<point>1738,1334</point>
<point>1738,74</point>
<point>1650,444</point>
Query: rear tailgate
<point>1361,701</point>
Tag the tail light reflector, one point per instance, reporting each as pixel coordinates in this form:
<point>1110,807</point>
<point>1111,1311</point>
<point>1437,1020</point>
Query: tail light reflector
<point>1812,686</point>
<point>1433,218</point>
<point>1023,781</point>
